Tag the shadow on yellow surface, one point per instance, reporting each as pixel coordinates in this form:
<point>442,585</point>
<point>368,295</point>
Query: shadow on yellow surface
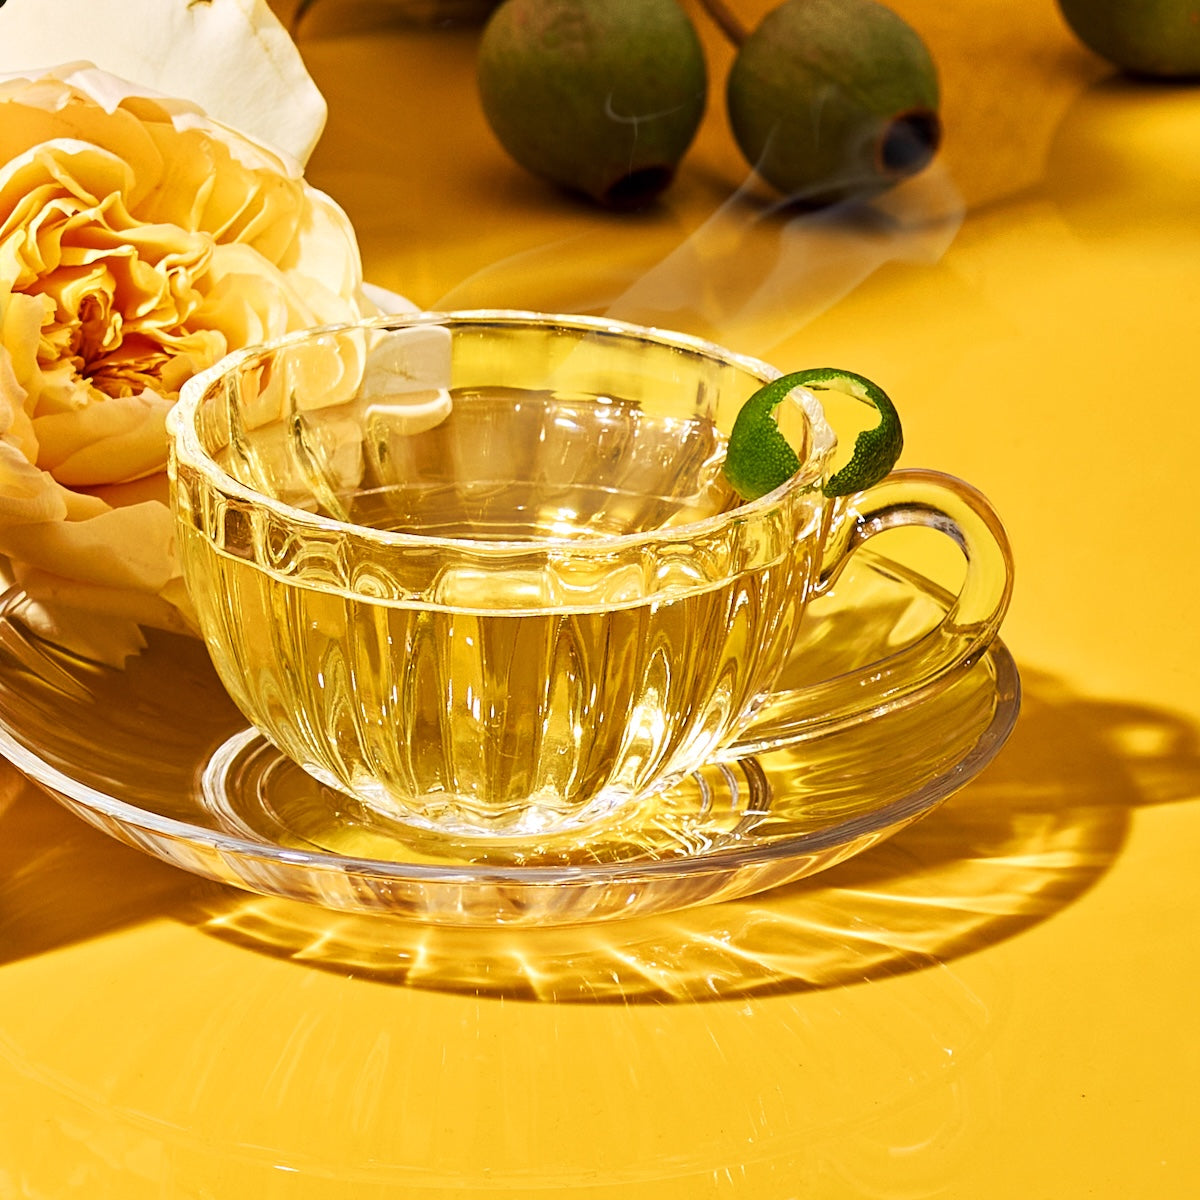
<point>62,881</point>
<point>1122,161</point>
<point>1042,824</point>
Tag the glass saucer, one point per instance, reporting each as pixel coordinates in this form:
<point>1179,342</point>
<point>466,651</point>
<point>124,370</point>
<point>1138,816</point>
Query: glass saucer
<point>157,756</point>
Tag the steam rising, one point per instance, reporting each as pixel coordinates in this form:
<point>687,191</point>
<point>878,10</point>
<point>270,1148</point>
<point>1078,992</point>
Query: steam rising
<point>751,276</point>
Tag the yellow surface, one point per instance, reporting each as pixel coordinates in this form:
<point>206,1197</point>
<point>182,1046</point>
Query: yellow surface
<point>1000,1002</point>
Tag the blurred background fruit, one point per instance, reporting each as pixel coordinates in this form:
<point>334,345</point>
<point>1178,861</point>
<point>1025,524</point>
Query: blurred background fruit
<point>600,96</point>
<point>832,100</point>
<point>1160,38</point>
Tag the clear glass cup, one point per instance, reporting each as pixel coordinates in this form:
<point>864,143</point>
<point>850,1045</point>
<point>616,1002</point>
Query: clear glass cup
<point>482,572</point>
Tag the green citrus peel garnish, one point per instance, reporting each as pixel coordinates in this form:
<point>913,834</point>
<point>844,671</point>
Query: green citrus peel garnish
<point>759,457</point>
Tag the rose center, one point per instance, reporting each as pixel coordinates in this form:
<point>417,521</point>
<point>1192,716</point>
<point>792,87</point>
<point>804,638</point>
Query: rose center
<point>112,359</point>
<point>97,330</point>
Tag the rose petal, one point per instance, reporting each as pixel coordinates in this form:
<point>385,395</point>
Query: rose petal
<point>80,628</point>
<point>233,58</point>
<point>123,548</point>
<point>28,497</point>
<point>56,123</point>
<point>103,624</point>
<point>139,242</point>
<point>121,439</point>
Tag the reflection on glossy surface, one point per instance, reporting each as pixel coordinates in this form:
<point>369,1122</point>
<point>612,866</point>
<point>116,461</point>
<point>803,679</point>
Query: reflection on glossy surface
<point>1009,851</point>
<point>182,1026</point>
<point>1113,150</point>
<point>152,754</point>
<point>451,1098</point>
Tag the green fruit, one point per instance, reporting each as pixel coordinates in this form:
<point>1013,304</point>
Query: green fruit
<point>832,100</point>
<point>601,96</point>
<point>1151,37</point>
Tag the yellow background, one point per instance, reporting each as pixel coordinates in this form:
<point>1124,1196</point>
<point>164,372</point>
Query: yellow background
<point>998,1003</point>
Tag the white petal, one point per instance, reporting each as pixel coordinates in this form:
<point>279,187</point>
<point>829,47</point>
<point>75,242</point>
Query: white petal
<point>231,57</point>
<point>386,300</point>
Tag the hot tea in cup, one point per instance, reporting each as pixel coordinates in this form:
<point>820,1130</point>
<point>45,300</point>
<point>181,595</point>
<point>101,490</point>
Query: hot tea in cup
<point>483,572</point>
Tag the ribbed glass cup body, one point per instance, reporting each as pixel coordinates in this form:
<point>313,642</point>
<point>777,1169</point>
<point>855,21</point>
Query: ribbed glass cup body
<point>481,571</point>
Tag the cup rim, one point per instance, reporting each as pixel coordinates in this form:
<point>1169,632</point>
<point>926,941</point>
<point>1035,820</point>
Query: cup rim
<point>186,445</point>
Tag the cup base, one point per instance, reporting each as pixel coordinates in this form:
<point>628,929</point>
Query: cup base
<point>461,816</point>
<point>249,760</point>
<point>252,789</point>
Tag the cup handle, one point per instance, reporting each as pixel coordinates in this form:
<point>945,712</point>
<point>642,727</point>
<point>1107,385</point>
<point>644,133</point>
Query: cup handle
<point>903,498</point>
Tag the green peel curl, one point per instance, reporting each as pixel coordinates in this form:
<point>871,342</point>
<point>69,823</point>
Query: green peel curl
<point>759,458</point>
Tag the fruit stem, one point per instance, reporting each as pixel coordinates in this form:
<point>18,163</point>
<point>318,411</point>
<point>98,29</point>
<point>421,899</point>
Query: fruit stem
<point>729,23</point>
<point>298,15</point>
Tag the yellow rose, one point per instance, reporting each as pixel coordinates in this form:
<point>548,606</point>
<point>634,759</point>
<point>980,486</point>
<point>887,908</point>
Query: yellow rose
<point>139,242</point>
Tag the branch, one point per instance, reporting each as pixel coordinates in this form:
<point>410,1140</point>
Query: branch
<point>726,20</point>
<point>301,9</point>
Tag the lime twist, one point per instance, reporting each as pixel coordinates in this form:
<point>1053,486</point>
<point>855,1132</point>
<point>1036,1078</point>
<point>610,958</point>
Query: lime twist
<point>759,457</point>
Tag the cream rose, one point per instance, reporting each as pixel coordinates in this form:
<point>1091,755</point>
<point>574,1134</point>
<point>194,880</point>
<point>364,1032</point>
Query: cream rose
<point>231,57</point>
<point>139,242</point>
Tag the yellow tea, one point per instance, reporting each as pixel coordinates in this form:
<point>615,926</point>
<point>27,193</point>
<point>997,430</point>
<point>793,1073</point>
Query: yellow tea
<point>502,665</point>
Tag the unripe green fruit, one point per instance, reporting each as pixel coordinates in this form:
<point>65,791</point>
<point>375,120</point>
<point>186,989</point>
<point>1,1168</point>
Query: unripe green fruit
<point>1150,37</point>
<point>601,96</point>
<point>832,100</point>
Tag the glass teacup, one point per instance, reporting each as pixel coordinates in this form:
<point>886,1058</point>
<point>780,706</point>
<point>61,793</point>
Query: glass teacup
<point>482,571</point>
